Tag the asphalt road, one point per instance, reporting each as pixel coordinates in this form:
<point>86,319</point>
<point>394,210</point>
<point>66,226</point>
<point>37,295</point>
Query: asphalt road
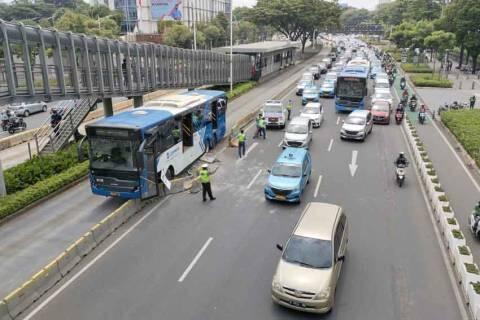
<point>33,239</point>
<point>393,270</point>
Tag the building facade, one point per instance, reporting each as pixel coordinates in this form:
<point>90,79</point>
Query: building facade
<point>142,16</point>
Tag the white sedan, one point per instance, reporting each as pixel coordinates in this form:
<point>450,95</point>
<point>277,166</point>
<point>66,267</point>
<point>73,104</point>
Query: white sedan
<point>382,96</point>
<point>314,112</point>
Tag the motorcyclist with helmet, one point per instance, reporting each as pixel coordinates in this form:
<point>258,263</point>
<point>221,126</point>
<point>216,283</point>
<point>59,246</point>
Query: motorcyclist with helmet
<point>401,160</point>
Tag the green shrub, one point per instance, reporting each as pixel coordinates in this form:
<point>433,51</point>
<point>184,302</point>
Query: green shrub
<point>465,126</point>
<point>438,189</point>
<point>452,221</point>
<point>447,209</point>
<point>471,268</point>
<point>443,198</point>
<point>457,234</point>
<point>463,250</point>
<point>426,80</point>
<point>432,172</point>
<point>476,287</point>
<point>416,68</point>
<point>435,180</point>
<point>14,202</point>
<point>427,160</point>
<point>39,168</point>
<point>429,166</point>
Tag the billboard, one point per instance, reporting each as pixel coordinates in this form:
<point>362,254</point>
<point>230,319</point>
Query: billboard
<point>166,10</point>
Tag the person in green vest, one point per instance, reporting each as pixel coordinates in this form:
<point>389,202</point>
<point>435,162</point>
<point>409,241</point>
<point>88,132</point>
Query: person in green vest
<point>257,126</point>
<point>241,143</point>
<point>204,177</point>
<point>263,127</point>
<point>289,109</point>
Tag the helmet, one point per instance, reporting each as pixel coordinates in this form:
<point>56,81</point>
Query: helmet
<point>401,154</point>
<point>205,166</point>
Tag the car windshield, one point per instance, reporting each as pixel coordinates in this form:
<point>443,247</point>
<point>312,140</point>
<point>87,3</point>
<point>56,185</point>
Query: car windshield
<point>297,128</point>
<point>304,83</point>
<point>111,153</point>
<point>310,91</point>
<point>308,252</point>
<point>355,120</point>
<point>380,107</point>
<point>331,77</point>
<point>311,110</point>
<point>272,109</point>
<point>327,84</point>
<point>382,85</point>
<point>285,170</point>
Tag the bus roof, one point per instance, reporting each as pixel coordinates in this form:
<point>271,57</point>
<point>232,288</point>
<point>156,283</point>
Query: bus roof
<point>158,110</point>
<point>355,71</point>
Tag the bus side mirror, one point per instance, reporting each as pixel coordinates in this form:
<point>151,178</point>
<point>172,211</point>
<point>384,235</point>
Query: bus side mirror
<point>139,155</point>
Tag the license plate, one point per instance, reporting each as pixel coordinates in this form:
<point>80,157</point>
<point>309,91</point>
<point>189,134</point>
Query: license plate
<point>297,304</point>
<point>280,197</point>
<point>348,108</point>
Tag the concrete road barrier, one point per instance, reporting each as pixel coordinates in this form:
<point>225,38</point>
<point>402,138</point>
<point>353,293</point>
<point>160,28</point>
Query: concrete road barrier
<point>47,278</point>
<point>85,244</point>
<point>67,260</point>
<point>4,315</point>
<point>100,231</point>
<point>21,298</point>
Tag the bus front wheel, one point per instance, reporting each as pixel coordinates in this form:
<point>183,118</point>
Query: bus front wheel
<point>170,173</point>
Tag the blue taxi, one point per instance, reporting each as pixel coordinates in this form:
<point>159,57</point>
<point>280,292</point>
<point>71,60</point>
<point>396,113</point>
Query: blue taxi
<point>289,175</point>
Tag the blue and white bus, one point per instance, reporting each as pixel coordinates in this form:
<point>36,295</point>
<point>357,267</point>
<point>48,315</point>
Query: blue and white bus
<point>131,151</point>
<point>351,88</point>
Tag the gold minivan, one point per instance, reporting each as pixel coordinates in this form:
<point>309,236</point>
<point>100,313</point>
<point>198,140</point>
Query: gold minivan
<point>308,271</point>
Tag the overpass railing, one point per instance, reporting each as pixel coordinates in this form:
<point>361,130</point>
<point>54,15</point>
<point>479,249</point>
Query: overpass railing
<point>41,64</point>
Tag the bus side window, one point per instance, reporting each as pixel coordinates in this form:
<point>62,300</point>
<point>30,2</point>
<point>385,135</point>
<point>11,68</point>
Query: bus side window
<point>169,135</point>
<point>214,113</point>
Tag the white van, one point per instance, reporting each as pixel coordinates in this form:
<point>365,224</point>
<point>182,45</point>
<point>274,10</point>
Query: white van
<point>382,83</point>
<point>299,133</point>
<point>275,113</point>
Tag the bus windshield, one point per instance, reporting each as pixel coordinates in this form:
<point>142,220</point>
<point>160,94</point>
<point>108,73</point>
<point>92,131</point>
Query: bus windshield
<point>111,153</point>
<point>351,89</point>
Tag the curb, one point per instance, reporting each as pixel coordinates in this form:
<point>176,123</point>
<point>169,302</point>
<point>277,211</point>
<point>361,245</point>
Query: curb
<point>452,236</point>
<point>33,289</point>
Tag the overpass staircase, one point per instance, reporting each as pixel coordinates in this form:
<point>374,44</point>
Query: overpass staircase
<point>50,140</point>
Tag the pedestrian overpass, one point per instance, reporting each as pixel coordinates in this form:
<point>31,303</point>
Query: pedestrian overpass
<point>39,64</point>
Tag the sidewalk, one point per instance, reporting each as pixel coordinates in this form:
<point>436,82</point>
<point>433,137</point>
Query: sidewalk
<point>37,236</point>
<point>460,182</point>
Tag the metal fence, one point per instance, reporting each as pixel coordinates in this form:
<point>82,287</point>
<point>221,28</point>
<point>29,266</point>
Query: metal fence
<point>40,64</point>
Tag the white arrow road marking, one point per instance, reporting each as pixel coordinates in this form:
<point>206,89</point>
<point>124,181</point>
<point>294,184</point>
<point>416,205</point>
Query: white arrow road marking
<point>317,187</point>
<point>338,120</point>
<point>330,145</point>
<point>353,165</point>
<point>280,143</point>
<point>254,178</point>
<point>194,261</point>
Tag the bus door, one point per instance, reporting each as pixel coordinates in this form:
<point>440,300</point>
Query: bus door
<point>214,115</point>
<point>148,176</point>
<point>187,130</point>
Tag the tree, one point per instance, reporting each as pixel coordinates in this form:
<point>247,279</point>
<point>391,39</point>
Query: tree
<point>439,41</point>
<point>80,23</point>
<point>243,14</point>
<point>213,35</point>
<point>353,16</point>
<point>245,31</point>
<point>403,34</point>
<point>179,36</point>
<point>423,10</point>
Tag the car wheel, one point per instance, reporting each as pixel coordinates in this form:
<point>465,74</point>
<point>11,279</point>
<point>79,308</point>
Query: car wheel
<point>26,113</point>
<point>44,108</point>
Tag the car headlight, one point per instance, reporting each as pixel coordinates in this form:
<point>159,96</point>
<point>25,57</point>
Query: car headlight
<point>276,285</point>
<point>324,294</point>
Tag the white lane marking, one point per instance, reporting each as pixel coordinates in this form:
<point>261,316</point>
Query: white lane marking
<point>253,146</point>
<point>475,183</point>
<point>254,178</point>
<point>195,260</point>
<point>91,263</point>
<point>280,143</point>
<point>318,186</point>
<point>330,145</point>
<point>338,120</point>
<point>446,260</point>
<point>353,165</point>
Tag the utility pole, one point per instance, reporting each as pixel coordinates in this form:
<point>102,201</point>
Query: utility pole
<point>231,45</point>
<point>194,15</point>
<point>3,189</point>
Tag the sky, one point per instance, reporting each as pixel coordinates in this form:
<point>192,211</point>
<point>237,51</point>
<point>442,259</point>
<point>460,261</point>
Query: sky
<point>368,4</point>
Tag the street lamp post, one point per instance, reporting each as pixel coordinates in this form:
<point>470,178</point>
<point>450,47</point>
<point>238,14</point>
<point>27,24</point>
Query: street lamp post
<point>231,45</point>
<point>194,26</point>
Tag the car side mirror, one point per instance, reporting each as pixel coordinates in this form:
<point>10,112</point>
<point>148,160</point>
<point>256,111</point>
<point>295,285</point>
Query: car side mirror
<point>279,247</point>
<point>269,170</point>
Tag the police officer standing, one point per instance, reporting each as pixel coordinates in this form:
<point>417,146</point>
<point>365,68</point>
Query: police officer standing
<point>204,177</point>
<point>473,99</point>
<point>241,143</point>
<point>263,127</point>
<point>289,109</point>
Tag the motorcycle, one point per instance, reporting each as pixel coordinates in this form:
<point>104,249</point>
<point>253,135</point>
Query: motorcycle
<point>403,84</point>
<point>400,174</point>
<point>398,117</point>
<point>15,124</point>
<point>474,221</point>
<point>421,117</point>
<point>413,105</point>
